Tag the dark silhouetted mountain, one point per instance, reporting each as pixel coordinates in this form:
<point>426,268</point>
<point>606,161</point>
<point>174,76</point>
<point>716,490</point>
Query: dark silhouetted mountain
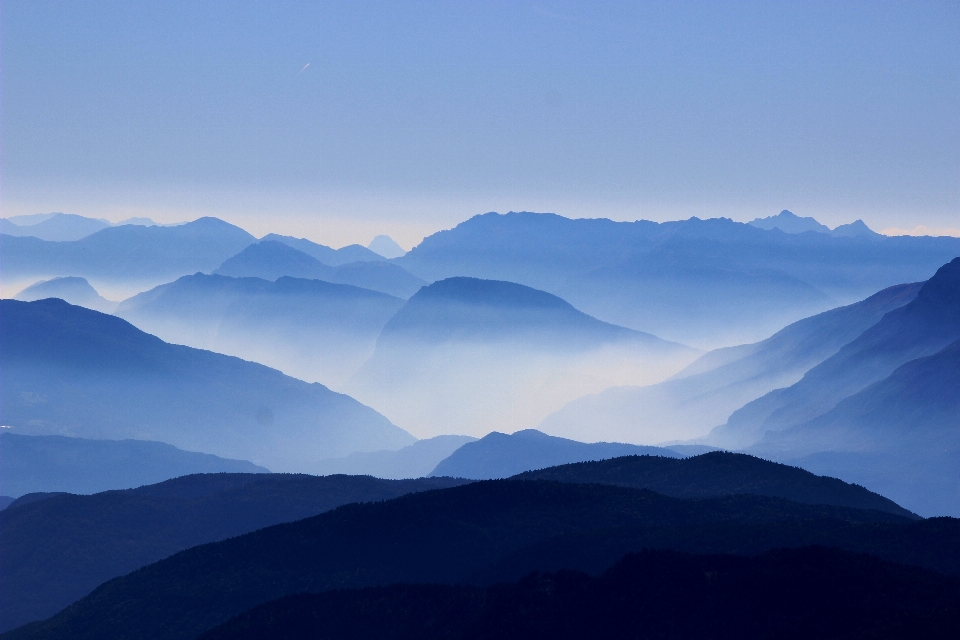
<point>900,435</point>
<point>56,227</point>
<point>498,455</point>
<point>72,289</point>
<point>58,550</point>
<point>129,252</point>
<point>327,255</point>
<point>72,371</point>
<point>704,394</point>
<point>442,536</point>
<point>386,247</point>
<point>311,329</point>
<point>701,282</point>
<point>926,325</point>
<point>414,461</point>
<point>789,222</point>
<point>472,356</point>
<point>653,594</point>
<point>270,260</point>
<point>37,496</point>
<point>5,501</point>
<point>31,464</point>
<point>718,474</point>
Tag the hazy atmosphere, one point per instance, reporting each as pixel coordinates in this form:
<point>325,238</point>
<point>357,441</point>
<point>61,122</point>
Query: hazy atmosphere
<point>479,320</point>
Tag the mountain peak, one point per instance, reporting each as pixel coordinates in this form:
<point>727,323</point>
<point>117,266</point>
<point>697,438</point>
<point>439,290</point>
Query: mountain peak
<point>857,228</point>
<point>386,247</point>
<point>788,222</point>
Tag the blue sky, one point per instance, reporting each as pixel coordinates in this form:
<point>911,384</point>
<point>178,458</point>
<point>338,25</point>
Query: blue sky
<point>413,116</point>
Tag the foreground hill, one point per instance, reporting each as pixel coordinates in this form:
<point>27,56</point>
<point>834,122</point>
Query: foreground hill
<point>654,594</point>
<point>704,394</point>
<point>498,455</point>
<point>72,289</point>
<point>447,536</point>
<point>30,464</point>
<point>59,549</point>
<point>478,355</point>
<point>669,278</point>
<point>126,253</point>
<point>314,330</point>
<point>71,371</point>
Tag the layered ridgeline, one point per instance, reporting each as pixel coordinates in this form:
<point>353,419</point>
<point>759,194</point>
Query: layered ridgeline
<point>70,288</point>
<point>127,256</point>
<point>701,282</point>
<point>52,226</point>
<point>71,371</point>
<point>704,394</point>
<point>413,461</point>
<point>472,356</point>
<point>272,259</point>
<point>30,464</point>
<point>478,533</point>
<point>328,255</point>
<point>58,548</point>
<point>311,329</point>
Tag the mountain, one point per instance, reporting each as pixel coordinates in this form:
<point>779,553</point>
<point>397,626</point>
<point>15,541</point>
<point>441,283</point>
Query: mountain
<point>271,259</point>
<point>707,283</point>
<point>498,455</point>
<point>653,594</point>
<point>900,435</point>
<point>789,222</point>
<point>311,329</point>
<point>76,372</point>
<point>386,247</point>
<point>72,289</point>
<point>327,255</point>
<point>855,229</point>
<point>56,227</point>
<point>923,327</point>
<point>471,356</point>
<point>58,550</point>
<point>708,391</point>
<point>447,536</point>
<point>129,253</point>
<point>718,473</point>
<point>30,464</point>
<point>413,461</point>
<point>5,501</point>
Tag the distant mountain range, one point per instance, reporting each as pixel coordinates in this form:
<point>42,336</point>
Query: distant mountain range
<point>72,289</point>
<point>311,329</point>
<point>31,464</point>
<point>272,259</point>
<point>498,455</point>
<point>72,371</point>
<point>669,278</point>
<point>325,254</point>
<point>704,394</point>
<point>61,226</point>
<point>790,223</point>
<point>102,536</point>
<point>471,356</point>
<point>413,461</point>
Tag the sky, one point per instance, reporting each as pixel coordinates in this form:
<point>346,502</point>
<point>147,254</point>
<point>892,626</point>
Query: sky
<point>338,121</point>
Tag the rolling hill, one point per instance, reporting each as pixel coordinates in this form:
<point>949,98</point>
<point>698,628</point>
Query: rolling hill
<point>72,289</point>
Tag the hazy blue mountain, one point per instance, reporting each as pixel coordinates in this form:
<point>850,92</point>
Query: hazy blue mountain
<point>56,227</point>
<point>76,372</point>
<point>900,435</point>
<point>450,536</point>
<point>473,356</point>
<point>129,253</point>
<point>498,455</point>
<point>327,255</point>
<point>386,247</point>
<point>704,394</point>
<point>30,464</point>
<point>715,474</point>
<point>856,229</point>
<point>270,259</point>
<point>58,551</point>
<point>651,594</point>
<point>311,329</point>
<point>414,461</point>
<point>72,289</point>
<point>702,282</point>
<point>923,327</point>
<point>789,222</point>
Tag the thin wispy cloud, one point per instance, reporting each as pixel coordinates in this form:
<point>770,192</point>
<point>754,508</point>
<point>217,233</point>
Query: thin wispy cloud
<point>302,70</point>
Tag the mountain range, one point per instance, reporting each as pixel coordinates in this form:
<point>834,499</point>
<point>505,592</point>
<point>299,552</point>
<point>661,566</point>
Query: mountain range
<point>71,289</point>
<point>60,226</point>
<point>72,371</point>
<point>469,356</point>
<point>789,222</point>
<point>413,461</point>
